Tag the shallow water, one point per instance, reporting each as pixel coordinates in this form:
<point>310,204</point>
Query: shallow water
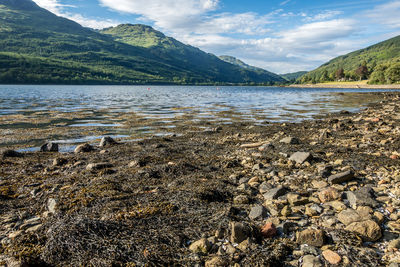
<point>30,115</point>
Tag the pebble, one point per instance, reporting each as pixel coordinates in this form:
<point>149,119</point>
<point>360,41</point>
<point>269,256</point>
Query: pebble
<point>107,141</point>
<point>83,148</point>
<point>275,193</point>
<point>258,212</point>
<point>216,262</point>
<point>200,246</point>
<point>312,237</point>
<point>300,157</point>
<point>49,147</point>
<point>341,177</point>
<point>368,230</point>
<point>268,230</point>
<point>290,141</point>
<point>349,216</point>
<point>329,194</point>
<point>331,256</point>
<point>311,261</point>
<point>98,166</point>
<point>239,232</point>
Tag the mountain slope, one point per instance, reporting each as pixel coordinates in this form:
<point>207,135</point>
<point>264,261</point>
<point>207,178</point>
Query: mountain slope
<point>374,58</point>
<point>238,62</point>
<point>189,57</point>
<point>37,46</point>
<point>291,77</point>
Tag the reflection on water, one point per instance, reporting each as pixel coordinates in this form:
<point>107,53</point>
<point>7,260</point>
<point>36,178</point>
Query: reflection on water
<point>31,114</point>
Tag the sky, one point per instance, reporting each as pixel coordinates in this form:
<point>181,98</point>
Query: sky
<point>278,35</point>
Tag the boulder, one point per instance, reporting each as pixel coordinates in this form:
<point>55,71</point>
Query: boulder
<point>349,216</point>
<point>329,194</point>
<point>200,246</point>
<point>361,197</point>
<point>11,154</point>
<point>239,232</point>
<point>98,166</point>
<point>331,256</point>
<point>268,230</point>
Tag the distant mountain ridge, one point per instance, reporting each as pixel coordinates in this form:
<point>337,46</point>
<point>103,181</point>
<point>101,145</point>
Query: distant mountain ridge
<point>292,77</point>
<point>37,46</point>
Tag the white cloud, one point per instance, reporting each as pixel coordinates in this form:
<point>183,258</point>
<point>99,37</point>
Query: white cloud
<point>167,14</point>
<point>57,8</point>
<point>323,16</point>
<point>386,14</point>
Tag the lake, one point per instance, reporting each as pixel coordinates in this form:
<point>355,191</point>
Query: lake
<point>31,114</point>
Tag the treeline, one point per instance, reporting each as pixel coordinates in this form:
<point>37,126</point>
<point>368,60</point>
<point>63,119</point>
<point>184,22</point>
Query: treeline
<point>385,73</point>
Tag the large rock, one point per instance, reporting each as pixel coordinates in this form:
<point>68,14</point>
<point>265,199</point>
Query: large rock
<point>361,197</point>
<point>258,212</point>
<point>239,232</point>
<point>341,177</point>
<point>349,216</point>
<point>200,246</point>
<point>49,147</point>
<point>107,141</point>
<point>368,230</point>
<point>275,193</point>
<point>83,148</point>
<point>300,157</point>
<point>312,237</point>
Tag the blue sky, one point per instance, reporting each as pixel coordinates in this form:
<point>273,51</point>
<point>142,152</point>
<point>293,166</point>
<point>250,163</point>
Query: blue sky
<point>278,35</point>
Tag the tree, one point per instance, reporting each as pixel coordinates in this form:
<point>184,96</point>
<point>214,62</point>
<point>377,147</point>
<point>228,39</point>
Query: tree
<point>362,72</point>
<point>339,74</point>
<point>393,73</point>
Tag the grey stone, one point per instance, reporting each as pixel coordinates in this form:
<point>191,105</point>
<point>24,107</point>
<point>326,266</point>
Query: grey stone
<point>300,157</point>
<point>98,166</point>
<point>275,193</point>
<point>341,177</point>
<point>349,216</point>
<point>264,187</point>
<point>258,212</point>
<point>107,141</point>
<point>49,147</point>
<point>361,197</point>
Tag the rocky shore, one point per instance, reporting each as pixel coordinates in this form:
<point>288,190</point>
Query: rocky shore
<point>322,192</point>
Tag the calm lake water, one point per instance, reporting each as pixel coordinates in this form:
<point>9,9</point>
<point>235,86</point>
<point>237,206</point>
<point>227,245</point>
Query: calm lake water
<point>31,114</point>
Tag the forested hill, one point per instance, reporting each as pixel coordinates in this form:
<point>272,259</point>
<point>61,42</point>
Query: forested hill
<point>379,63</point>
<point>37,46</point>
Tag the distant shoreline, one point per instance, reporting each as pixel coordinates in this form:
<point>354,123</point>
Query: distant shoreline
<point>347,86</point>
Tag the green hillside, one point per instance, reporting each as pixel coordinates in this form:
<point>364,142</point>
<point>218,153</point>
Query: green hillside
<point>238,62</point>
<point>292,77</point>
<point>37,46</point>
<point>379,63</point>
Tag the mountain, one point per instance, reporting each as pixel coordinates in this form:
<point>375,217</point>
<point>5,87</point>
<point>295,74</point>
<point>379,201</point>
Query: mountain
<point>379,63</point>
<point>239,63</point>
<point>39,47</point>
<point>292,77</point>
